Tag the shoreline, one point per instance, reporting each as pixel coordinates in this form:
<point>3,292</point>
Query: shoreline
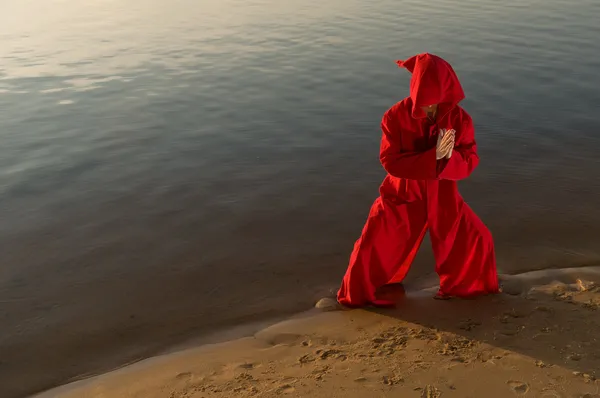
<point>315,353</point>
<point>194,346</point>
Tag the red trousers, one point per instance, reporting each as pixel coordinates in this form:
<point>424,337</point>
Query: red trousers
<point>462,245</point>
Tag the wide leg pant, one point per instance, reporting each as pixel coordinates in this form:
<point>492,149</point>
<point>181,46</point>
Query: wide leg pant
<point>463,248</point>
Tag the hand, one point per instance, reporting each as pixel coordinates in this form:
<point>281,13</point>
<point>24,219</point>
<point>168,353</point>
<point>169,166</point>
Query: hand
<point>445,144</point>
<point>453,132</point>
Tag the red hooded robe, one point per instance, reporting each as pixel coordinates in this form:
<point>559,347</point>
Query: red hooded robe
<point>420,194</point>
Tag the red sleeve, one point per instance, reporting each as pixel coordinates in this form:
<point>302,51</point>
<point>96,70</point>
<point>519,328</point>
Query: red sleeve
<point>404,164</point>
<point>464,158</point>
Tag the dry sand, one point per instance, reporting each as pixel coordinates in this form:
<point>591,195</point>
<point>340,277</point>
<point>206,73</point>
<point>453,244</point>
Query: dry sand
<point>539,339</point>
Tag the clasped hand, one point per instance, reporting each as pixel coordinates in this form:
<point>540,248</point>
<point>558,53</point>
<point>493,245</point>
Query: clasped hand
<point>445,144</point>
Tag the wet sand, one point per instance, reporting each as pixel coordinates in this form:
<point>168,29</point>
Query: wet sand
<point>537,339</point>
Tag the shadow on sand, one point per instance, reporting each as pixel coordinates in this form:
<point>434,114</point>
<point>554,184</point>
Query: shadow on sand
<point>550,316</point>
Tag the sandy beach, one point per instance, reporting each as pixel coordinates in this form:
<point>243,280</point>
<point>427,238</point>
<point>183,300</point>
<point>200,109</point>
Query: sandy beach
<point>537,339</point>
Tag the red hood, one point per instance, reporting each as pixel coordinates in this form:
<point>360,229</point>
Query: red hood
<point>433,82</point>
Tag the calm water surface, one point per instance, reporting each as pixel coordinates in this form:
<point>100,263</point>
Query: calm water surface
<point>172,168</point>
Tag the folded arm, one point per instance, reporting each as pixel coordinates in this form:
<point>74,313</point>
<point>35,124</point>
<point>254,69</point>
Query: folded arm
<point>404,164</point>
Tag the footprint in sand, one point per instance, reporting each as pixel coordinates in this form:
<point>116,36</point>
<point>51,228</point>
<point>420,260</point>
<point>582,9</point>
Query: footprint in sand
<point>244,376</point>
<point>431,392</point>
<point>325,354</point>
<point>284,339</point>
<point>392,380</point>
<point>184,376</point>
<point>304,359</point>
<point>518,387</point>
<point>286,389</point>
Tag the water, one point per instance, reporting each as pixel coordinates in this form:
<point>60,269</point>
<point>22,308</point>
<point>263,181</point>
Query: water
<point>171,168</point>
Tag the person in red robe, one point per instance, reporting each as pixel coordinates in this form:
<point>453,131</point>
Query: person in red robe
<point>428,144</point>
